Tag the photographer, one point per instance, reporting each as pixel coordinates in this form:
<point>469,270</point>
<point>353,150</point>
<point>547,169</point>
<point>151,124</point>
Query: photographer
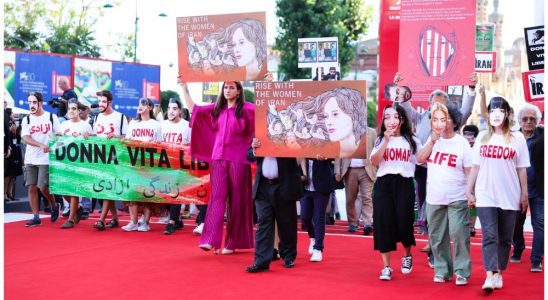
<point>61,102</point>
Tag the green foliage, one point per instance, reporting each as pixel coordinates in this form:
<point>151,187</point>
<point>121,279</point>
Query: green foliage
<point>346,19</point>
<point>165,96</point>
<point>249,96</point>
<point>371,114</point>
<point>58,26</point>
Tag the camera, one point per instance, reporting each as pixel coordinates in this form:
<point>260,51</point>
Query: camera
<point>54,102</point>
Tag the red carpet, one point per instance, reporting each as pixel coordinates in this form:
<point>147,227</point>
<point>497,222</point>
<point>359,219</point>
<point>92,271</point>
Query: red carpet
<point>49,263</point>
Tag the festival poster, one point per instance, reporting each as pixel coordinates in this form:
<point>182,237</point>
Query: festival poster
<point>37,72</point>
<point>485,37</point>
<point>119,169</point>
<point>91,76</point>
<point>132,82</point>
<point>486,62</point>
<point>210,92</point>
<point>533,85</point>
<point>318,52</point>
<point>222,47</point>
<point>310,118</point>
<point>437,46</point>
<point>534,41</point>
<point>9,76</point>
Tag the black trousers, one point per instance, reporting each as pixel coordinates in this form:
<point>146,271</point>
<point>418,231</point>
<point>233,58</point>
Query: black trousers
<point>174,212</point>
<point>272,207</point>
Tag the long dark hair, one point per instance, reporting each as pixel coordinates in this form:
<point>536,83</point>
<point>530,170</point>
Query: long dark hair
<point>405,127</point>
<point>222,101</point>
<point>494,103</point>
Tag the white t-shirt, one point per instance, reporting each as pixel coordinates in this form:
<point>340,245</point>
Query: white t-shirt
<point>498,184</point>
<point>39,129</point>
<point>145,131</point>
<point>398,157</point>
<point>176,133</point>
<point>446,181</point>
<point>75,128</point>
<point>107,124</point>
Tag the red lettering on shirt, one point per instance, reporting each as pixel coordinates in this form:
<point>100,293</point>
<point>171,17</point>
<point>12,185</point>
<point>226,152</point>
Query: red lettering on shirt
<point>497,152</point>
<point>138,132</point>
<point>173,137</point>
<point>441,158</point>
<point>42,128</point>
<point>397,154</point>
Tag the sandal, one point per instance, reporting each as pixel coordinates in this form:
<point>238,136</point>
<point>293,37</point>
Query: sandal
<point>100,225</point>
<point>112,223</point>
<point>68,224</point>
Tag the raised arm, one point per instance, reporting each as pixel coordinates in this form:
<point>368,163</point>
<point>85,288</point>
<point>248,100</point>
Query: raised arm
<point>410,111</point>
<point>468,100</point>
<point>483,103</point>
<point>186,95</point>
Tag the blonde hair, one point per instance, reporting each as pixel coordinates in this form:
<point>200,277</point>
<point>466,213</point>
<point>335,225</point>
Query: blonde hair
<point>438,107</point>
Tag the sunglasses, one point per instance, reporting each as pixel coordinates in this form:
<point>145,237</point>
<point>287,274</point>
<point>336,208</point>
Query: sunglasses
<point>527,119</point>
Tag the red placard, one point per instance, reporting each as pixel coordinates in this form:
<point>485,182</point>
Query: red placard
<point>533,85</point>
<point>438,44</point>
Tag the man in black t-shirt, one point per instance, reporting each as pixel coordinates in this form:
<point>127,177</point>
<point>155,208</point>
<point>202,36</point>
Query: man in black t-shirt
<point>68,94</point>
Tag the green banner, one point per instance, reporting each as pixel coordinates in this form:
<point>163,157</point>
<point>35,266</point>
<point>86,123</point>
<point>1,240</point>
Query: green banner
<point>119,169</point>
<point>485,36</point>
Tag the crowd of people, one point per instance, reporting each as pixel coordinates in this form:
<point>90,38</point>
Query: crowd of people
<point>426,158</point>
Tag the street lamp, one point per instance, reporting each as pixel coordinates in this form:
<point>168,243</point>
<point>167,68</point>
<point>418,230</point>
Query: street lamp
<point>108,5</point>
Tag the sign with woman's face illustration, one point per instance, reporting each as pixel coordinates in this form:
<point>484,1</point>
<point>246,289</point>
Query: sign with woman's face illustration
<point>307,118</point>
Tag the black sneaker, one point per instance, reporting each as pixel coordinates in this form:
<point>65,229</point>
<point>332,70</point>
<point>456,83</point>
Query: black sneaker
<point>515,258</point>
<point>536,267</point>
<point>170,229</point>
<point>55,214</point>
<point>33,223</point>
<point>367,230</point>
<point>85,215</point>
<point>179,225</point>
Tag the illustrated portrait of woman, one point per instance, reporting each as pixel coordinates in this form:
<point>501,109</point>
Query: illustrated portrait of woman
<point>437,47</point>
<point>241,44</point>
<point>336,117</point>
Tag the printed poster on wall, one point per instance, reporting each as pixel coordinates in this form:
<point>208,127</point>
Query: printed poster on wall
<point>91,76</point>
<point>534,41</point>
<point>310,118</point>
<point>222,47</point>
<point>9,76</point>
<point>485,37</point>
<point>533,85</point>
<point>132,82</point>
<point>37,72</point>
<point>318,52</point>
<point>437,45</point>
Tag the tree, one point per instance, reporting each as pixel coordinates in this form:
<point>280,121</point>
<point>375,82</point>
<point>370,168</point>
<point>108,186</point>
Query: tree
<point>371,114</point>
<point>249,96</point>
<point>58,26</point>
<point>346,19</point>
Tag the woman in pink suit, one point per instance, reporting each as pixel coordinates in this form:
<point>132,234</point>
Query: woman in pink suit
<point>221,134</point>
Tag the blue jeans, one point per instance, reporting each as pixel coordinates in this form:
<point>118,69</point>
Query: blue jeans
<point>313,205</point>
<point>86,204</point>
<point>537,221</point>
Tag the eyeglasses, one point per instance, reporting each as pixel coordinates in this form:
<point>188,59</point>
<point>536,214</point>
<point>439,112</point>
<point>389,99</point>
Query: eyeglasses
<point>527,119</point>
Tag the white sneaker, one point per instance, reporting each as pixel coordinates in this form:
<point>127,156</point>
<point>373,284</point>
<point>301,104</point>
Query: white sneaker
<point>439,279</point>
<point>130,226</point>
<point>488,286</point>
<point>311,246</point>
<point>227,251</point>
<point>164,220</point>
<point>461,280</point>
<point>406,264</point>
<point>497,280</point>
<point>316,256</point>
<point>144,227</point>
<point>141,220</point>
<point>386,273</point>
<point>198,229</point>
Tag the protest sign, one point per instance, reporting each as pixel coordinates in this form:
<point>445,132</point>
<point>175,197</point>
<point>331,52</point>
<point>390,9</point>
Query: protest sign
<point>118,169</point>
<point>486,62</point>
<point>485,37</point>
<point>310,118</point>
<point>318,52</point>
<point>534,41</point>
<point>222,47</point>
<point>437,45</point>
<point>533,85</point>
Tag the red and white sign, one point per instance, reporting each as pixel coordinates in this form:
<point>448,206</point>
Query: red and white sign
<point>533,85</point>
<point>486,62</point>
